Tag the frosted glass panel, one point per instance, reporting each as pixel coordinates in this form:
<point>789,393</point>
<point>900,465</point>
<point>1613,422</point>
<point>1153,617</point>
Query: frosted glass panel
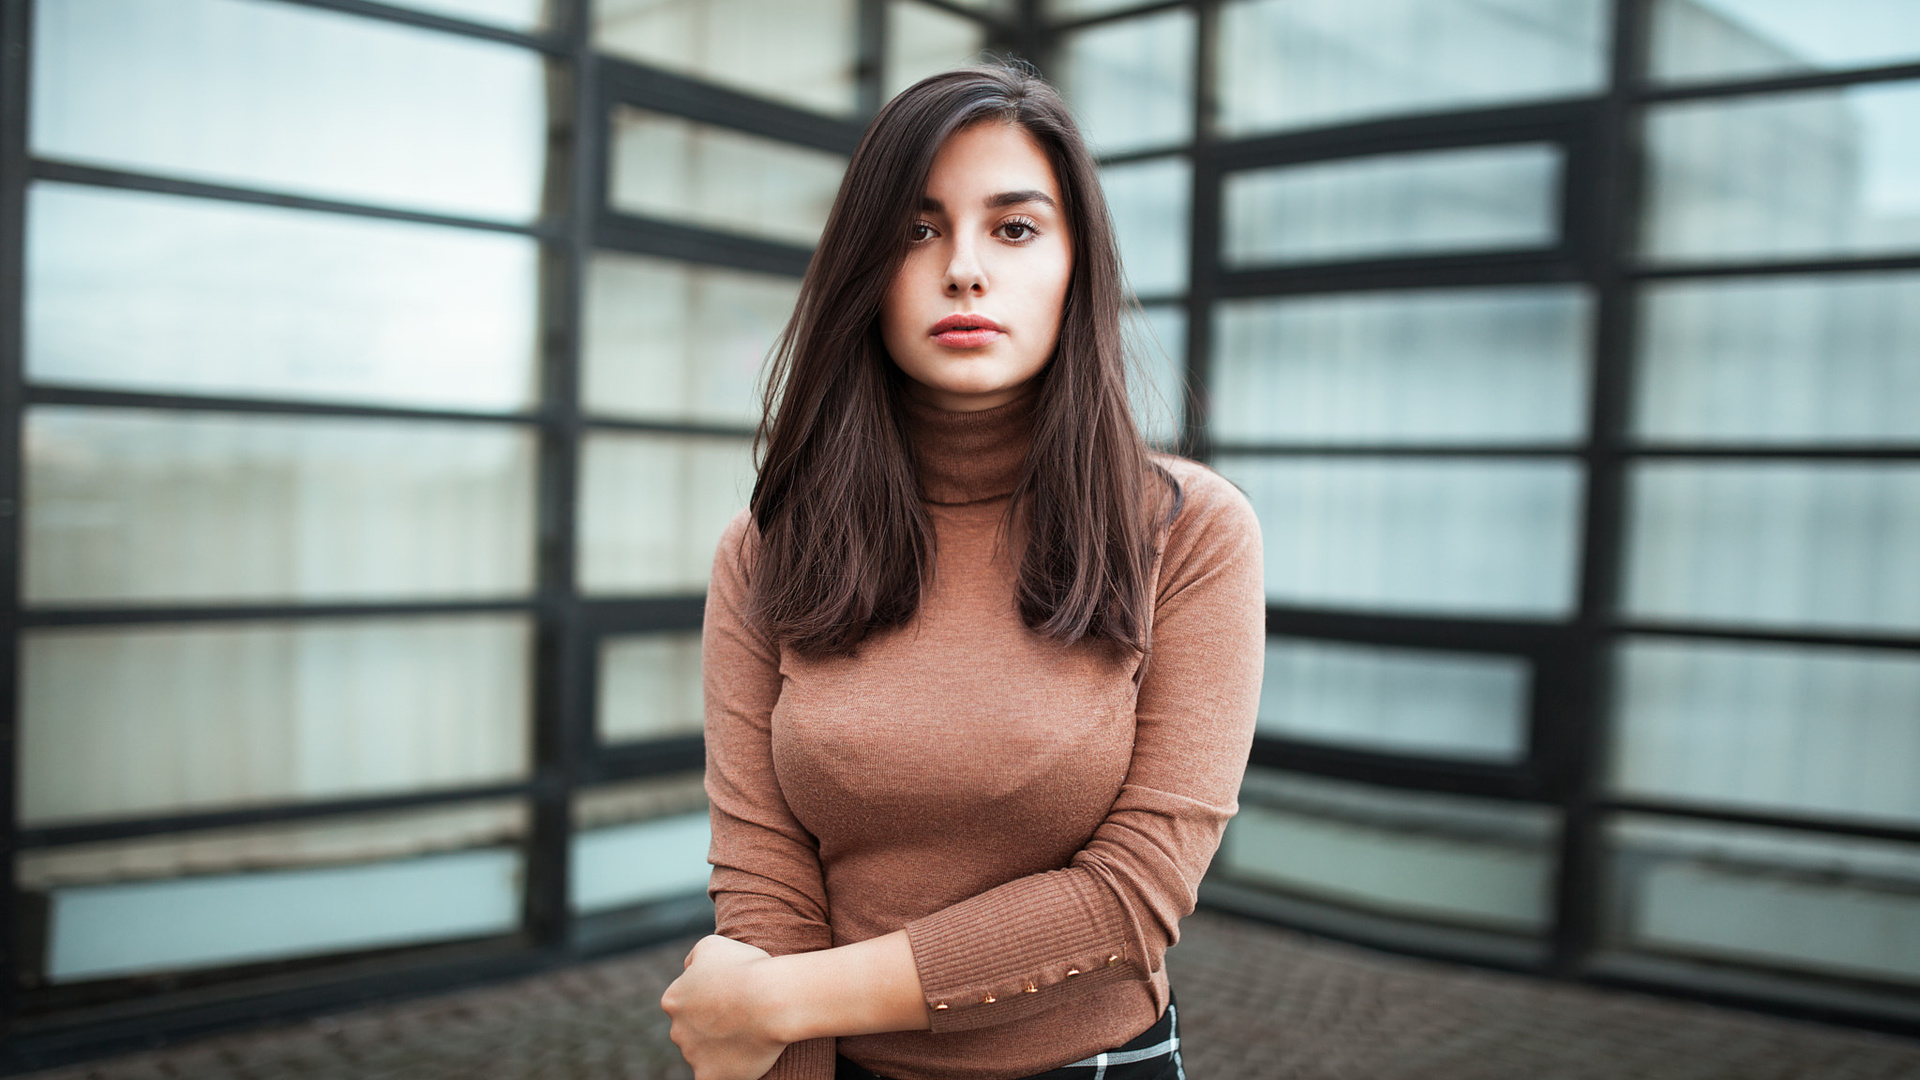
<point>1443,858</point>
<point>1829,358</point>
<point>639,842</point>
<point>923,41</point>
<point>1149,201</point>
<point>1396,701</point>
<point>292,99</point>
<point>128,290</point>
<point>673,341</point>
<point>1805,903</point>
<point>1130,82</point>
<point>1827,730</point>
<point>801,52</point>
<point>1432,202</point>
<point>1708,39</point>
<point>154,719</point>
<point>652,508</point>
<point>1300,63</point>
<point>129,506</point>
<point>1823,172</point>
<point>650,687</point>
<point>1786,544</point>
<point>1454,365</point>
<point>1444,536</point>
<point>697,174</point>
<point>1157,376</point>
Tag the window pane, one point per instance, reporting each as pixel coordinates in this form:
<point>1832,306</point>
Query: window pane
<point>652,508</point>
<point>1770,727</point>
<point>801,52</point>
<point>1149,202</point>
<point>1301,63</point>
<point>1157,373</point>
<point>158,719</point>
<point>673,341</point>
<point>1455,365</point>
<point>650,687</point>
<point>1444,536</point>
<point>1835,357</point>
<point>923,41</point>
<point>1820,904</point>
<point>1432,202</point>
<point>1786,544</point>
<point>128,290</point>
<point>1396,700</point>
<point>293,99</point>
<point>1444,858</point>
<point>1707,39</point>
<point>697,174</point>
<point>144,507</point>
<point>1823,172</point>
<point>1131,82</point>
<point>638,842</point>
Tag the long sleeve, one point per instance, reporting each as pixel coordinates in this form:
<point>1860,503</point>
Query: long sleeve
<point>766,884</point>
<point>1038,941</point>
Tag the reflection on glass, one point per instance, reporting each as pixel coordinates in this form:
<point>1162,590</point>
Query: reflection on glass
<point>1396,700</point>
<point>313,103</point>
<point>126,721</point>
<point>652,507</point>
<point>1452,365</point>
<point>1157,370</point>
<point>1131,82</point>
<point>1436,535</point>
<point>1149,202</point>
<point>1709,39</point>
<point>675,169</point>
<point>670,340</point>
<point>801,52</point>
<point>923,41</point>
<point>1445,858</point>
<point>128,290</point>
<point>522,15</point>
<point>638,842</point>
<point>1780,358</point>
<point>140,507</point>
<point>1820,904</point>
<point>1781,543</point>
<point>1819,172</point>
<point>650,687</point>
<point>1769,727</point>
<point>1301,63</point>
<point>1431,202</point>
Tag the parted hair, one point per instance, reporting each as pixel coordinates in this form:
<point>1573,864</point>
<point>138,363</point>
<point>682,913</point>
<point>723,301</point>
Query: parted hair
<point>846,544</point>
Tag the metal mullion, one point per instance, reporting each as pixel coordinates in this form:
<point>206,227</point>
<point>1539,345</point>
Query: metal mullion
<point>546,43</point>
<point>1150,153</point>
<point>1534,640</point>
<point>1821,80</point>
<point>54,616</point>
<point>639,235</point>
<point>1546,266</point>
<point>1398,450</point>
<point>45,394</point>
<point>1843,265</point>
<point>1151,7</point>
<point>666,427</point>
<point>1514,781</point>
<point>53,169</point>
<point>643,760</point>
<point>615,616</point>
<point>874,27</point>
<point>627,82</point>
<point>1195,438</point>
<point>992,23</point>
<point>1551,121</point>
<point>1761,635</point>
<point>1795,822</point>
<point>1778,452</point>
<point>51,836</point>
<point>15,79</point>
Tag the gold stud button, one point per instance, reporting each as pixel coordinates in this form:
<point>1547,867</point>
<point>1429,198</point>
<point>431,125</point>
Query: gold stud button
<point>989,999</point>
<point>942,1007</point>
<point>1071,972</point>
<point>1031,988</point>
<point>1112,960</point>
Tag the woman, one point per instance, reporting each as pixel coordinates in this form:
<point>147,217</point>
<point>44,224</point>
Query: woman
<point>981,672</point>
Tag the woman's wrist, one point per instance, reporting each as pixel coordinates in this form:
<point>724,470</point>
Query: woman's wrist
<point>858,989</point>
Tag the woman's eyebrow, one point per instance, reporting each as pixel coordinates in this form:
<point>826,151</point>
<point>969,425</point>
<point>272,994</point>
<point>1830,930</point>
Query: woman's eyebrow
<point>994,202</point>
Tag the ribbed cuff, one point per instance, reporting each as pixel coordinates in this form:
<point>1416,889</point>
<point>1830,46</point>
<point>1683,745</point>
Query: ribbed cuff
<point>810,1060</point>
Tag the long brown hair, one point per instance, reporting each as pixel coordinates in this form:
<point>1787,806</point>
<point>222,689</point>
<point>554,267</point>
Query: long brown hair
<point>845,541</point>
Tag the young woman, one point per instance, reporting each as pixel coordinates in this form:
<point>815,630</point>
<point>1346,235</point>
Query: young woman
<point>981,671</point>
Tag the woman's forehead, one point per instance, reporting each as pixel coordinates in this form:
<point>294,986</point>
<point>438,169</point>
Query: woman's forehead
<point>985,165</point>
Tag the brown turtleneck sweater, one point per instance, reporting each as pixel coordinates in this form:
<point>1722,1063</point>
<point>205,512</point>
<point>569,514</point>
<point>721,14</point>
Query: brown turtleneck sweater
<point>1035,820</point>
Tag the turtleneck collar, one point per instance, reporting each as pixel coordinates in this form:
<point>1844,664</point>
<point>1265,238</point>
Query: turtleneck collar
<point>966,457</point>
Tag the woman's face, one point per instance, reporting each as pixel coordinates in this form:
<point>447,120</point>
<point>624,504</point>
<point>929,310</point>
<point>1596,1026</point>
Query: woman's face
<point>974,312</point>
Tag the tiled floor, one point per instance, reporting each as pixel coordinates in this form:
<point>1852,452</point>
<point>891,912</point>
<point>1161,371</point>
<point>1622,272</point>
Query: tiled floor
<point>1256,1003</point>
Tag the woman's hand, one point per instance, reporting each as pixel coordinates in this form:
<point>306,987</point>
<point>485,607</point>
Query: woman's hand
<point>722,1011</point>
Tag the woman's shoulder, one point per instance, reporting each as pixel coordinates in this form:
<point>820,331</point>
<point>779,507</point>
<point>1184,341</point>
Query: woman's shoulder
<point>739,541</point>
<point>1205,500</point>
<point>1213,528</point>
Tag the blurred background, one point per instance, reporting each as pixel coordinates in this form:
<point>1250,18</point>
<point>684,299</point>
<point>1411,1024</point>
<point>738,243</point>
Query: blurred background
<point>378,376</point>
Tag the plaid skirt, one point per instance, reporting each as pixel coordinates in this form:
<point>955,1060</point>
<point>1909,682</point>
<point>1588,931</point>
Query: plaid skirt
<point>1154,1054</point>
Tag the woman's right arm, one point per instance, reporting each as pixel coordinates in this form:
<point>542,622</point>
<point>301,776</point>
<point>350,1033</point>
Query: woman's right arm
<point>766,885</point>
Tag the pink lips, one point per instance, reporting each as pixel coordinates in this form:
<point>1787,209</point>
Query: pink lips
<point>966,331</point>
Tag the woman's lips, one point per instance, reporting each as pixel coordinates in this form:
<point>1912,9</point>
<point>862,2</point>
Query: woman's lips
<point>966,331</point>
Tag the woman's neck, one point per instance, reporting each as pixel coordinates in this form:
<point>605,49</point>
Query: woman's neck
<point>966,457</point>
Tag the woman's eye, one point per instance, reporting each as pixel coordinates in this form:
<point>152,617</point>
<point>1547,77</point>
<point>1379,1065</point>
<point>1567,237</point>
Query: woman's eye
<point>919,230</point>
<point>1017,230</point>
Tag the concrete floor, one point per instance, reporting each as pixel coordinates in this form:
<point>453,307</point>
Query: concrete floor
<point>1256,1003</point>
